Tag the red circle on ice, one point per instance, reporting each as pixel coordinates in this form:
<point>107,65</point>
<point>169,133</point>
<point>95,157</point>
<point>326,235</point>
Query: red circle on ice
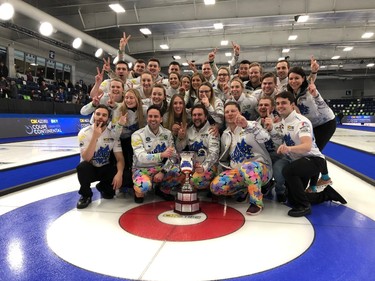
<point>219,220</point>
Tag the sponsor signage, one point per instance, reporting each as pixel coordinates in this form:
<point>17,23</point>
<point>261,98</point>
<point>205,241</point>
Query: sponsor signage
<point>359,120</point>
<point>27,127</point>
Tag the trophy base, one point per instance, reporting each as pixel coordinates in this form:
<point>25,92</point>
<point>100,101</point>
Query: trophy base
<point>187,203</point>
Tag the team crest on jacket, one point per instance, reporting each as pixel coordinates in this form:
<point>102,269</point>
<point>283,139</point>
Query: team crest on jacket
<point>197,147</point>
<point>102,155</point>
<point>159,148</point>
<point>288,140</point>
<point>304,110</point>
<point>242,152</point>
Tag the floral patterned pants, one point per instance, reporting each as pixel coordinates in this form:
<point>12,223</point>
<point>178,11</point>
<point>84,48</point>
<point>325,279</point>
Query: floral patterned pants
<point>249,178</point>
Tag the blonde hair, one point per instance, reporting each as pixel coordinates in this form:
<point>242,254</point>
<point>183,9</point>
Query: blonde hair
<point>139,112</point>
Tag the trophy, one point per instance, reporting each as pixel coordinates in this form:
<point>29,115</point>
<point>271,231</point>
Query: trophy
<point>187,202</point>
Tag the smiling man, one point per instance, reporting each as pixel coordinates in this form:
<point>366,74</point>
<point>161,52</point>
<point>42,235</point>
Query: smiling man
<point>153,166</point>
<point>96,142</point>
<point>199,139</point>
<point>305,158</point>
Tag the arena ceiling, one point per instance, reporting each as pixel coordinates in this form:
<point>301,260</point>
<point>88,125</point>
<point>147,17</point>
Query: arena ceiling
<point>261,28</point>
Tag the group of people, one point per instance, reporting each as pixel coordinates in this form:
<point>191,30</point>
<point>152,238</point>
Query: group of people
<point>251,131</point>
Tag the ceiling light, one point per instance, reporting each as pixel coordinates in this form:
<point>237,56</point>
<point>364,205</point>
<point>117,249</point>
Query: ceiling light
<point>335,57</point>
<point>292,37</point>
<point>6,11</point>
<point>77,43</point>
<point>302,18</point>
<point>224,42</point>
<point>228,54</point>
<point>367,35</point>
<point>117,8</point>
<point>164,46</point>
<point>176,57</point>
<point>145,31</point>
<point>347,49</point>
<point>130,65</point>
<point>285,50</point>
<point>370,65</point>
<point>323,66</point>
<point>98,52</point>
<point>115,60</point>
<point>46,28</point>
<point>185,64</point>
<point>209,2</point>
<point>281,58</point>
<point>218,25</point>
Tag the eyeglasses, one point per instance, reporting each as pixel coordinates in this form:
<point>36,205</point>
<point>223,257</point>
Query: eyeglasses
<point>121,68</point>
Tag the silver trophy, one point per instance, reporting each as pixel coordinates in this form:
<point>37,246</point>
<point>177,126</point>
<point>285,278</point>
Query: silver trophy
<point>187,202</point>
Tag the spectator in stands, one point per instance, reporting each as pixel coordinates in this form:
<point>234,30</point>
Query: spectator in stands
<point>13,90</point>
<point>44,91</point>
<point>60,95</point>
<point>96,143</point>
<point>4,72</point>
<point>4,87</point>
<point>29,77</point>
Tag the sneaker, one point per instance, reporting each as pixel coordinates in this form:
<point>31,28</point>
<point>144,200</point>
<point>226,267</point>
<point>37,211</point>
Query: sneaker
<point>281,197</point>
<point>333,195</point>
<point>322,182</point>
<point>253,210</point>
<point>83,202</point>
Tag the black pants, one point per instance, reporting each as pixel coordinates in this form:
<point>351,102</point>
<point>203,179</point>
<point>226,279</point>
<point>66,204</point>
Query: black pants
<point>297,175</point>
<point>87,173</point>
<point>127,151</point>
<point>323,134</point>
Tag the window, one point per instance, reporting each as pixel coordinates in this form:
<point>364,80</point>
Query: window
<point>30,64</point>
<point>67,71</point>
<point>50,70</point>
<point>19,61</point>
<point>41,67</point>
<point>59,71</point>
